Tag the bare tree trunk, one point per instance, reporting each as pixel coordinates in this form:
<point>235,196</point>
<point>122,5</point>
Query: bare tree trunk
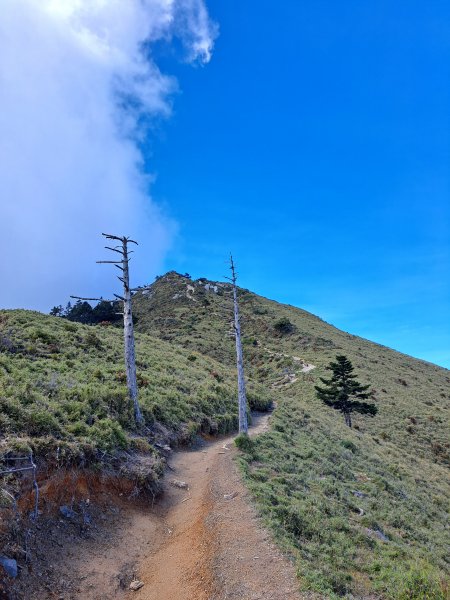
<point>348,419</point>
<point>128,330</point>
<point>242,396</point>
<point>128,334</point>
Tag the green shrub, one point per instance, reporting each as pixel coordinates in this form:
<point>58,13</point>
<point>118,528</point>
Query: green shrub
<point>98,374</point>
<point>420,582</point>
<point>108,435</point>
<point>227,423</point>
<point>189,432</point>
<point>14,410</point>
<point>283,326</point>
<point>244,443</point>
<point>349,445</point>
<point>259,400</point>
<point>41,422</point>
<point>79,429</point>
<point>92,340</point>
<point>140,444</point>
<point>44,336</point>
<point>5,423</point>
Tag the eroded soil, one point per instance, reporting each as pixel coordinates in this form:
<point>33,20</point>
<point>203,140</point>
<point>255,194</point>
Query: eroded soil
<point>200,543</point>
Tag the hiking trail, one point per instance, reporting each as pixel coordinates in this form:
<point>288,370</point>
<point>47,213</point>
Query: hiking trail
<point>214,546</point>
<point>202,540</point>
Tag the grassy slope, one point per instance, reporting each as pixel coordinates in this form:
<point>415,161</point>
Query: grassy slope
<point>62,385</point>
<point>305,472</point>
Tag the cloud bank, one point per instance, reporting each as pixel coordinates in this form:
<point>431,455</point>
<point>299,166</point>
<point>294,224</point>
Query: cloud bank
<point>78,87</point>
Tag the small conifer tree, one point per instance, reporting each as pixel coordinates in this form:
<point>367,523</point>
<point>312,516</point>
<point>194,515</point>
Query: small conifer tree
<point>343,391</point>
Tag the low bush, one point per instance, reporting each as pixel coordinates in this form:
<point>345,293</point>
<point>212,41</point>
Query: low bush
<point>284,326</point>
<point>244,443</point>
<point>108,435</point>
<point>41,422</point>
<point>417,582</point>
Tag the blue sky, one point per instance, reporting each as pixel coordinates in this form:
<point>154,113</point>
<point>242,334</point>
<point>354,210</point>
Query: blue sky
<point>316,147</point>
<point>310,138</point>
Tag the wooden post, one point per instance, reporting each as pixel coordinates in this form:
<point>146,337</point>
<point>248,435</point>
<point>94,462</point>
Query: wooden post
<point>242,397</point>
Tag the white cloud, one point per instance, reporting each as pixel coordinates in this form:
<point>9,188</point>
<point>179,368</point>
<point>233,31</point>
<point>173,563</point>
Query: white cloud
<point>76,76</point>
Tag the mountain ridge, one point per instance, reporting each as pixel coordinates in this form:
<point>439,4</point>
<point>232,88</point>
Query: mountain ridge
<point>360,510</point>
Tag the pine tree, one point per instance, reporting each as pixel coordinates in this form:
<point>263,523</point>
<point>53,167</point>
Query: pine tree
<point>106,311</point>
<point>343,391</point>
<point>57,311</point>
<point>81,312</point>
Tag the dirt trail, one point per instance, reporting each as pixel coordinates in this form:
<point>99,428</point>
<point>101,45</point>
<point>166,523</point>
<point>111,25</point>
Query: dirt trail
<point>290,376</point>
<point>201,543</point>
<point>214,546</point>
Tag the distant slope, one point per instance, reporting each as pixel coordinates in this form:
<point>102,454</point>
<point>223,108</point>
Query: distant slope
<point>363,510</point>
<point>413,396</point>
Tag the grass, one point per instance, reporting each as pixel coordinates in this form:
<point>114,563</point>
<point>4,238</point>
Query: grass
<point>62,385</point>
<point>412,396</point>
<point>363,511</point>
<point>354,512</point>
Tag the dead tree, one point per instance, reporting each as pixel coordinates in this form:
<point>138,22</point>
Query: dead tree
<point>242,396</point>
<point>128,331</point>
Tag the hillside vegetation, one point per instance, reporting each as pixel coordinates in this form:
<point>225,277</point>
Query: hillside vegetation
<point>62,385</point>
<point>363,511</point>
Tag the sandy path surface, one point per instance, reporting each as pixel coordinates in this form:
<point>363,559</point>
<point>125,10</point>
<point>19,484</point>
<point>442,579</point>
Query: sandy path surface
<point>214,547</point>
